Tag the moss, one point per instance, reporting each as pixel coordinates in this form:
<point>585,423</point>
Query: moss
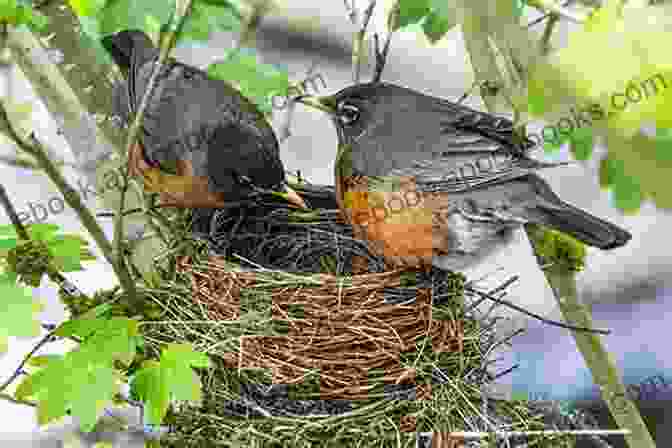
<point>557,249</point>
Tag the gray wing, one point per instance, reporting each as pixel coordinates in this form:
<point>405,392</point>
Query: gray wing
<point>463,149</point>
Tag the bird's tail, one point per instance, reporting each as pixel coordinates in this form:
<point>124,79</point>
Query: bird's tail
<point>130,48</point>
<point>589,229</point>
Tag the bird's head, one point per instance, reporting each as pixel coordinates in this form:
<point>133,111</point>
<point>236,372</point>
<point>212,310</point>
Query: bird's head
<point>124,44</point>
<point>356,108</point>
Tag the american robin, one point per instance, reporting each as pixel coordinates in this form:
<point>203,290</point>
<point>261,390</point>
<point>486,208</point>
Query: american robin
<point>220,145</point>
<point>422,177</point>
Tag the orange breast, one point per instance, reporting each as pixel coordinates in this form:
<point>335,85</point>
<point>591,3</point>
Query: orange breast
<point>398,224</point>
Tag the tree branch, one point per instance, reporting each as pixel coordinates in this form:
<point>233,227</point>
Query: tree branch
<point>358,40</point>
<point>550,6</point>
<point>168,40</point>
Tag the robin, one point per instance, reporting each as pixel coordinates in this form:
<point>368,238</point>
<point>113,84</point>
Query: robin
<point>422,177</point>
<point>219,144</point>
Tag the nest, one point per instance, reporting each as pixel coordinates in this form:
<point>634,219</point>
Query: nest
<point>307,353</point>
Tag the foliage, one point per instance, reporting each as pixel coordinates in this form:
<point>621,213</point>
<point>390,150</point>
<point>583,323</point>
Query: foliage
<point>169,378</point>
<point>257,81</point>
<point>17,311</point>
<point>20,12</point>
<point>628,82</point>
<point>29,259</point>
<point>102,17</point>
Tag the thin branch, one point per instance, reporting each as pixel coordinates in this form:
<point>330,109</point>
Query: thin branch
<point>536,316</point>
<point>546,16</point>
<point>550,6</point>
<point>7,397</point>
<point>285,130</point>
<point>358,40</point>
<point>182,8</point>
<point>544,43</point>
<point>47,338</point>
<point>381,55</point>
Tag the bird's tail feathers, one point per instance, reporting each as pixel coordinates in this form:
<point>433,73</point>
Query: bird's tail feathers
<point>585,227</point>
<point>552,212</point>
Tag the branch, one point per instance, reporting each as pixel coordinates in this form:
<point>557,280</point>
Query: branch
<point>536,316</point>
<point>47,338</point>
<point>561,277</point>
<point>358,40</point>
<point>168,40</point>
<point>550,6</point>
<point>70,195</point>
<point>381,55</point>
<point>285,129</point>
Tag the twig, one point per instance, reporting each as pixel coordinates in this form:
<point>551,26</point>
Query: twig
<point>11,399</point>
<point>358,40</point>
<point>544,43</point>
<point>285,130</point>
<point>552,7</point>
<point>70,195</point>
<point>545,16</point>
<point>182,8</point>
<point>536,316</point>
<point>381,55</point>
<point>19,369</point>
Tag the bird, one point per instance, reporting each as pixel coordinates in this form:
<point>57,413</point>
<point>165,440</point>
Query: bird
<point>427,181</point>
<point>217,142</point>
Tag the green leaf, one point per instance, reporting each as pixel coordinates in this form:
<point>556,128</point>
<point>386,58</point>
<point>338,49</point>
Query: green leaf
<point>205,18</point>
<point>66,253</point>
<point>442,17</point>
<point>8,243</point>
<point>435,27</point>
<point>7,229</point>
<point>184,355</point>
<point>156,383</point>
<point>115,340</point>
<point>626,189</point>
<point>630,79</point>
<point>256,81</point>
<point>9,277</point>
<point>93,394</point>
<point>411,11</point>
<point>150,384</point>
<point>53,386</point>
<point>81,327</point>
<point>43,232</point>
<point>43,360</point>
<point>17,311</point>
<point>581,143</point>
<point>83,381</point>
<point>86,8</point>
<point>38,21</point>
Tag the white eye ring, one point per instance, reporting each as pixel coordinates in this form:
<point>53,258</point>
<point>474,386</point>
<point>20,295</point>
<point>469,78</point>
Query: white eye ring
<point>348,113</point>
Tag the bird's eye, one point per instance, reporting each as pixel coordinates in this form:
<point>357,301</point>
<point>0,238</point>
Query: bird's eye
<point>348,113</point>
